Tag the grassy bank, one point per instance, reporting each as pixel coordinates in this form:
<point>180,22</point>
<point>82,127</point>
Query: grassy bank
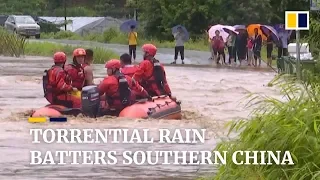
<point>291,125</point>
<point>101,55</point>
<point>115,36</point>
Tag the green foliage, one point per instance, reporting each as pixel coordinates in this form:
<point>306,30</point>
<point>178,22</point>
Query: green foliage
<point>246,12</point>
<point>314,37</point>
<point>101,55</point>
<point>74,12</point>
<point>289,125</point>
<point>157,17</point>
<point>11,44</point>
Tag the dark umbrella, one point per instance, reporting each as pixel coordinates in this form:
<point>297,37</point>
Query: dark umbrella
<point>175,30</point>
<point>126,26</point>
<point>280,28</point>
<point>240,27</point>
<point>266,29</point>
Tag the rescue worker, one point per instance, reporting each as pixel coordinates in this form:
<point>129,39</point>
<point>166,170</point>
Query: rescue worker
<point>88,71</point>
<point>75,70</point>
<point>126,67</point>
<point>120,90</point>
<point>151,74</point>
<point>57,84</point>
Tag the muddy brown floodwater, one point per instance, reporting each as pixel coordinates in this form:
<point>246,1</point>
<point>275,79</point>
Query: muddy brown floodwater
<point>210,98</point>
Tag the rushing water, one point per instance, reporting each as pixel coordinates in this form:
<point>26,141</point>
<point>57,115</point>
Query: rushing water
<point>210,97</point>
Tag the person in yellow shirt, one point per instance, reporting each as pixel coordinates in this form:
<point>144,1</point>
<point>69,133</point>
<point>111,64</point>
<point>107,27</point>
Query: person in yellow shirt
<point>132,37</point>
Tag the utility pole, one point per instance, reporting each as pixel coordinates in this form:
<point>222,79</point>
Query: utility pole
<point>136,10</point>
<point>65,15</point>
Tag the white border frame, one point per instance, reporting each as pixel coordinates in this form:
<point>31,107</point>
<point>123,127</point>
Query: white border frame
<point>297,12</point>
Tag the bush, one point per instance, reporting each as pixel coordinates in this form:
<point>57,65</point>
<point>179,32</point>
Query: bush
<point>11,44</point>
<point>290,125</point>
<point>101,55</point>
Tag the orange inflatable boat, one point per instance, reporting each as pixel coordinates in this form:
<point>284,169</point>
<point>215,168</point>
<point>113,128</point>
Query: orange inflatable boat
<point>160,107</point>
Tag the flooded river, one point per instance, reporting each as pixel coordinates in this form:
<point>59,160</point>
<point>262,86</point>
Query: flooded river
<point>210,97</point>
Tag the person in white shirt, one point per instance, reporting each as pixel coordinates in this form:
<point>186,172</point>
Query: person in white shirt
<point>179,48</point>
<point>284,37</point>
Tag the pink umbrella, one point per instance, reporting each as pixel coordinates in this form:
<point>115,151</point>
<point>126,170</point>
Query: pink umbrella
<point>220,28</point>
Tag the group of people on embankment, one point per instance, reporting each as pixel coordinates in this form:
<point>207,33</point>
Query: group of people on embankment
<point>241,46</point>
<point>121,87</point>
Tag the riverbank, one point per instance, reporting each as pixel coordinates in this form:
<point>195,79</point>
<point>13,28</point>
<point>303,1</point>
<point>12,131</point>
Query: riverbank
<point>101,55</point>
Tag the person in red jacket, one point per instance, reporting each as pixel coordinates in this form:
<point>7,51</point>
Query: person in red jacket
<point>120,90</point>
<point>151,73</point>
<point>126,67</point>
<point>75,69</point>
<point>57,84</point>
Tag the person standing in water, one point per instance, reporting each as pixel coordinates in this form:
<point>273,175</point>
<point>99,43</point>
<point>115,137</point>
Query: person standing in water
<point>180,38</point>
<point>88,71</point>
<point>257,43</point>
<point>133,38</point>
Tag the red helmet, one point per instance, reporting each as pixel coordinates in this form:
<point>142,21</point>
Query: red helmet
<point>59,57</point>
<point>79,52</point>
<point>150,49</point>
<point>113,63</point>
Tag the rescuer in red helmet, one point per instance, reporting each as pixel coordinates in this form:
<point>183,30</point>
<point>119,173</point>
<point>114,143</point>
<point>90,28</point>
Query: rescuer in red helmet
<point>120,90</point>
<point>57,84</point>
<point>75,69</point>
<point>151,74</point>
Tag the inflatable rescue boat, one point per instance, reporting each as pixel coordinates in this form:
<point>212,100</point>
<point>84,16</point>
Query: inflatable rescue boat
<point>160,107</point>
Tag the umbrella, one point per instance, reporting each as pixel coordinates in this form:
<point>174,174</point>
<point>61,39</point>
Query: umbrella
<point>280,28</point>
<point>219,27</point>
<point>240,27</point>
<point>126,26</point>
<point>251,28</point>
<point>266,29</point>
<point>186,33</point>
<point>230,29</point>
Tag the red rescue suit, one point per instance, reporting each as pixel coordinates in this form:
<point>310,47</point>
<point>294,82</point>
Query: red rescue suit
<point>129,69</point>
<point>120,91</point>
<point>76,73</point>
<point>152,76</point>
<point>56,85</point>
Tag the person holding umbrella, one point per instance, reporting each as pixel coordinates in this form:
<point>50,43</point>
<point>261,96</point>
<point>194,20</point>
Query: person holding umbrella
<point>180,37</point>
<point>132,38</point>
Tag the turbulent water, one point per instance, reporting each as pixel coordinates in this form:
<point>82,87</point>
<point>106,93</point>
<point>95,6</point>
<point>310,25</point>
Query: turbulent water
<point>210,98</point>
